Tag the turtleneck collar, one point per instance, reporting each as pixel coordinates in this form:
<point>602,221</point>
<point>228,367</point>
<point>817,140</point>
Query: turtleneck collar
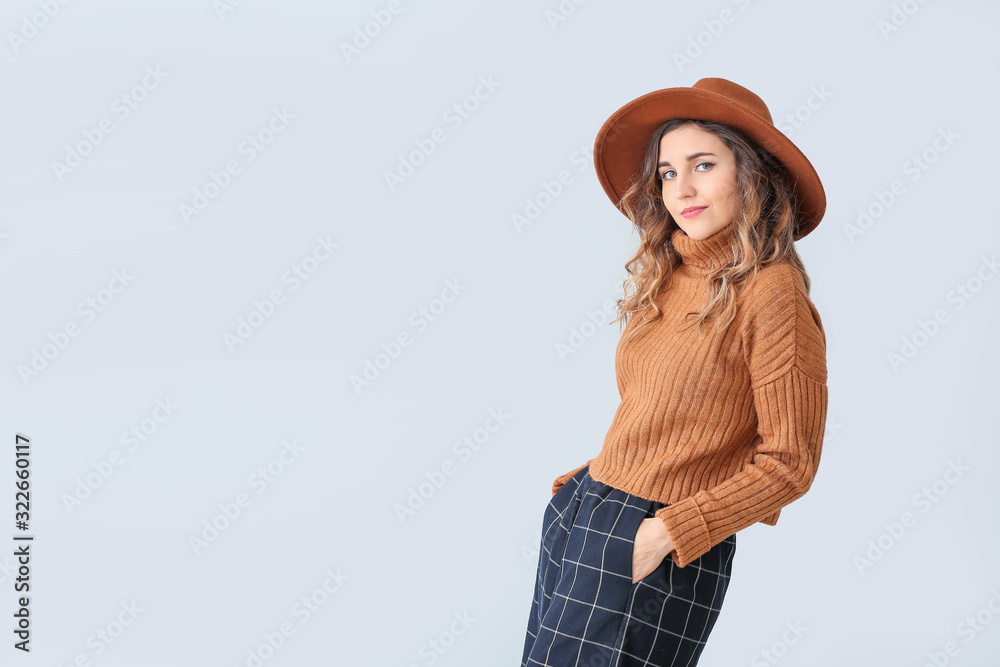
<point>705,254</point>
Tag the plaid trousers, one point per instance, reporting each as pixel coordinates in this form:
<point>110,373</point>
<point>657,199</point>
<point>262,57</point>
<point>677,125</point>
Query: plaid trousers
<point>586,611</point>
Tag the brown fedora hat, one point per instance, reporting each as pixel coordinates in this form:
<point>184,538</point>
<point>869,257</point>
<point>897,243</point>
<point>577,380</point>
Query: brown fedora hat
<point>621,142</point>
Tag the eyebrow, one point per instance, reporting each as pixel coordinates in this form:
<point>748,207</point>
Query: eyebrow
<point>689,158</point>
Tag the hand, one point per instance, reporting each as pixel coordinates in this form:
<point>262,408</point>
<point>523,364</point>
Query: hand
<point>652,544</point>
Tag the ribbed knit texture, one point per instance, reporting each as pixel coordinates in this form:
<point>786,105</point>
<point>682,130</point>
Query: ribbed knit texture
<point>726,428</point>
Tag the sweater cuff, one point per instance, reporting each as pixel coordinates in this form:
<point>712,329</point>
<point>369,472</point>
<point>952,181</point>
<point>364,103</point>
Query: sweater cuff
<point>561,480</point>
<point>687,529</point>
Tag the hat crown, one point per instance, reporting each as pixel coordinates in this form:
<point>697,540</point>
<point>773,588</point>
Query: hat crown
<point>737,94</point>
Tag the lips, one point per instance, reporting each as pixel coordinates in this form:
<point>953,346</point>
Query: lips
<point>692,211</point>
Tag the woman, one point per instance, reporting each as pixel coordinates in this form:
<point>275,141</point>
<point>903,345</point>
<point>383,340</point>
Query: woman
<point>722,375</point>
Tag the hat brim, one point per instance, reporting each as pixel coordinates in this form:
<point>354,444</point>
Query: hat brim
<point>621,143</point>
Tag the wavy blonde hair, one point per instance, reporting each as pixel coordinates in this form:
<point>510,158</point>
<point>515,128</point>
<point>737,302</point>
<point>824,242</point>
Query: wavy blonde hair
<point>765,217</point>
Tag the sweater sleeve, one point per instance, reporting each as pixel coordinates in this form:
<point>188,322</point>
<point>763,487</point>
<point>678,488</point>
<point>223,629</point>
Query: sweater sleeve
<point>562,479</point>
<point>784,347</point>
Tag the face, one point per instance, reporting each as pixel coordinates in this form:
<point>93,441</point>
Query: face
<point>698,174</point>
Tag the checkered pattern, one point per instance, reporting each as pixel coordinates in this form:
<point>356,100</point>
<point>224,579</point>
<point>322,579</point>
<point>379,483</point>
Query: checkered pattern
<point>586,611</point>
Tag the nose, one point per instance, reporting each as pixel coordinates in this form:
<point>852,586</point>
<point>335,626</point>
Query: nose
<point>682,187</point>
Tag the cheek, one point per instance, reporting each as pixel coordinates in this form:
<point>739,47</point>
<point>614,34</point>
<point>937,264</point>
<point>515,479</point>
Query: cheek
<point>729,194</point>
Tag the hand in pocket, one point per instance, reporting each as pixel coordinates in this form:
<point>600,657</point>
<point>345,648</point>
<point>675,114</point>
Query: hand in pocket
<point>651,545</point>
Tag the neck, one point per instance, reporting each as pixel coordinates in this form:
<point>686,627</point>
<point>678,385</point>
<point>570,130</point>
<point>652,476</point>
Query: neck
<point>705,254</point>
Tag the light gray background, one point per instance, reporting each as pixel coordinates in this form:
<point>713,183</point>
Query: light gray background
<point>471,548</point>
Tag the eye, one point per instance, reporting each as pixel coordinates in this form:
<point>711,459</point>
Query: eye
<point>708,165</point>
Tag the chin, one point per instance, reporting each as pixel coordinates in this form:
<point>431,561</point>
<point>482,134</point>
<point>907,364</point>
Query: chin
<point>697,232</point>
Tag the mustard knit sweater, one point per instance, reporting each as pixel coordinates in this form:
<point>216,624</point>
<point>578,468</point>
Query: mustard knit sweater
<point>725,428</point>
